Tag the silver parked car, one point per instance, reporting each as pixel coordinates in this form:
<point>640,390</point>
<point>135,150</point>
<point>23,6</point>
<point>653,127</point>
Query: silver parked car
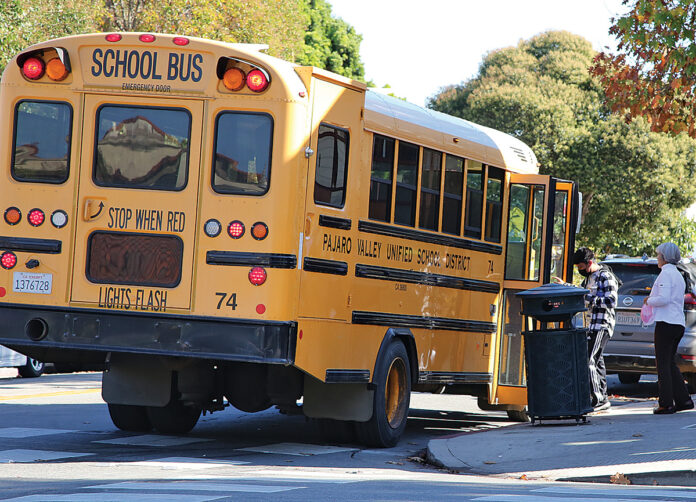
<point>27,367</point>
<point>631,351</point>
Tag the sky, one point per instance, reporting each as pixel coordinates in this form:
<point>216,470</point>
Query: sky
<point>416,47</point>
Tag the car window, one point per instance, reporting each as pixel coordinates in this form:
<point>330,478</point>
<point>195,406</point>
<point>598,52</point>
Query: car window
<point>637,279</point>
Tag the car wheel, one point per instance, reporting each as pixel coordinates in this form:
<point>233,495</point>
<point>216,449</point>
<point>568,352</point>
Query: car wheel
<point>32,369</point>
<point>691,382</point>
<point>518,415</point>
<point>130,418</point>
<point>392,397</point>
<point>629,378</point>
<point>175,418</point>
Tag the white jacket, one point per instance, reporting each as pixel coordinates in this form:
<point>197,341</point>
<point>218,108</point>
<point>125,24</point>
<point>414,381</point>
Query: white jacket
<point>667,296</point>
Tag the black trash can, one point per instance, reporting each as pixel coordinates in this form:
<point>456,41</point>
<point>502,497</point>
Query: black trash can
<point>558,380</point>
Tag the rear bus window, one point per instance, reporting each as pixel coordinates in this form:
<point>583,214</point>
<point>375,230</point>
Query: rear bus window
<point>139,147</point>
<point>332,165</point>
<point>242,162</point>
<point>41,149</point>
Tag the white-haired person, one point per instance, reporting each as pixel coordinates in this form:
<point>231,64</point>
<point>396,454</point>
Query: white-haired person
<point>667,301</point>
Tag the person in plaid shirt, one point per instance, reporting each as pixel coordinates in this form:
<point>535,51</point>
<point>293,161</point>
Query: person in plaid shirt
<point>601,301</point>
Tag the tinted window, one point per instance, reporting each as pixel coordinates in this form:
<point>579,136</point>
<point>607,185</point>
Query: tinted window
<point>332,165</point>
<point>139,147</point>
<point>452,203</point>
<point>637,279</point>
<point>474,199</point>
<point>381,178</point>
<point>41,149</point>
<point>406,182</point>
<point>242,162</point>
<point>431,171</point>
<point>494,204</point>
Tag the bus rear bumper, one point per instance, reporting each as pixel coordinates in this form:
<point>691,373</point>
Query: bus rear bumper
<point>98,331</point>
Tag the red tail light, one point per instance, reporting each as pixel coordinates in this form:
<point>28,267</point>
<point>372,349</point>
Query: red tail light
<point>8,260</point>
<point>256,80</point>
<point>235,229</point>
<point>687,357</point>
<point>36,217</point>
<point>33,68</point>
<point>257,276</point>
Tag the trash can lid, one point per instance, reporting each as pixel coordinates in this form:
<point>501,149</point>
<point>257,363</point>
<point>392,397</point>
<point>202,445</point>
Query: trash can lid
<point>553,290</point>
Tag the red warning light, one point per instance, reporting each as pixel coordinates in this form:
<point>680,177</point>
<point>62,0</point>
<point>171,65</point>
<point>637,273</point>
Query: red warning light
<point>257,276</point>
<point>235,229</point>
<point>36,217</point>
<point>8,260</point>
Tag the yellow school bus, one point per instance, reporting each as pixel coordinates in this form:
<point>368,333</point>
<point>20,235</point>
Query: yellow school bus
<point>220,227</point>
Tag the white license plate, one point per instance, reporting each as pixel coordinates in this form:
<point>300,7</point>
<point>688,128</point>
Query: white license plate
<point>28,282</point>
<point>629,318</point>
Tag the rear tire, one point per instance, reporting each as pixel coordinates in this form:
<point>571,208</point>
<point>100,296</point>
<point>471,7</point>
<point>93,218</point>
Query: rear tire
<point>130,418</point>
<point>392,397</point>
<point>629,378</point>
<point>32,369</point>
<point>175,418</point>
<point>518,415</point>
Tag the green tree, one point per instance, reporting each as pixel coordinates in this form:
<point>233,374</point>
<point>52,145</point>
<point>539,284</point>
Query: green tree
<point>654,72</point>
<point>331,43</point>
<point>635,183</point>
<point>26,22</point>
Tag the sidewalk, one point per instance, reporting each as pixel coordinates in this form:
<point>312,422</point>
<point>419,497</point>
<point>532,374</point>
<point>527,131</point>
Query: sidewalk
<point>626,439</point>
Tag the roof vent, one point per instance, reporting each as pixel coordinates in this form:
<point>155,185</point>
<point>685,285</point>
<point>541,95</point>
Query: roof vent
<point>521,154</point>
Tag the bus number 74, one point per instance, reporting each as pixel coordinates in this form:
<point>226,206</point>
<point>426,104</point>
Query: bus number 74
<point>231,300</point>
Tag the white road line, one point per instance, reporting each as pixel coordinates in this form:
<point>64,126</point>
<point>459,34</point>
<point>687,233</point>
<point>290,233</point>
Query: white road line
<point>194,486</point>
<point>298,449</point>
<point>116,497</point>
<point>638,491</point>
<point>153,440</point>
<point>20,456</point>
<point>185,463</point>
<point>26,432</point>
<point>503,497</point>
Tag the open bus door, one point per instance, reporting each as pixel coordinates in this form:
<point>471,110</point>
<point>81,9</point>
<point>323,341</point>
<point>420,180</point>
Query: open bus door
<point>540,241</point>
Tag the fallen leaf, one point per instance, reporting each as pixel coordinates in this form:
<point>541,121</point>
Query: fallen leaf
<point>619,479</point>
<point>637,435</point>
<point>489,462</point>
<point>523,476</point>
<point>393,462</point>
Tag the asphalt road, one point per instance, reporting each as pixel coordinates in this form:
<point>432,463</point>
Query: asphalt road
<point>57,443</point>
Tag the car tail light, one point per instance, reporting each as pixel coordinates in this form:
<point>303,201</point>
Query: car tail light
<point>12,215</point>
<point>8,260</point>
<point>36,217</point>
<point>257,80</point>
<point>235,229</point>
<point>56,70</point>
<point>689,301</point>
<point>687,357</point>
<point>259,230</point>
<point>234,79</point>
<point>257,276</point>
<point>33,68</point>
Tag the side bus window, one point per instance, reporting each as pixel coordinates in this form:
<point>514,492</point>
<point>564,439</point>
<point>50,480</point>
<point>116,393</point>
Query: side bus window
<point>242,161</point>
<point>406,184</point>
<point>452,203</point>
<point>431,172</point>
<point>142,147</point>
<point>381,178</point>
<point>494,203</point>
<point>42,136</point>
<point>474,199</point>
<point>332,166</point>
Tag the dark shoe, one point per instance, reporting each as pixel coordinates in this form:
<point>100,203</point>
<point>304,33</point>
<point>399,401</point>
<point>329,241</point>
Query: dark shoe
<point>689,405</point>
<point>664,410</point>
<point>604,405</point>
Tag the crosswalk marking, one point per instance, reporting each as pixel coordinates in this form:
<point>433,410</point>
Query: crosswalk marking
<point>116,497</point>
<point>646,491</point>
<point>26,432</point>
<point>298,449</point>
<point>185,463</point>
<point>194,486</point>
<point>153,440</point>
<point>18,456</point>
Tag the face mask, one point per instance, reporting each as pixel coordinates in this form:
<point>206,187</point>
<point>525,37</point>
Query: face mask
<point>584,273</point>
